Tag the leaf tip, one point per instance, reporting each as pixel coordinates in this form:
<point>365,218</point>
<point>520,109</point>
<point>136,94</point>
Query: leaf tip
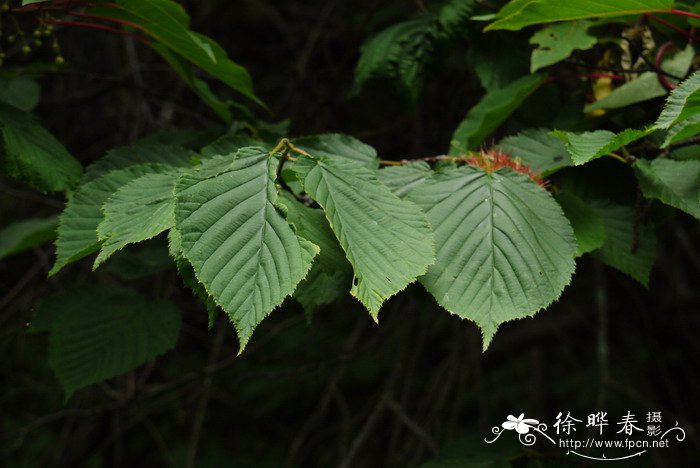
<point>488,331</point>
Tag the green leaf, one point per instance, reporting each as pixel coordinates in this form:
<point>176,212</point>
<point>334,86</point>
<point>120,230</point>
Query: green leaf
<point>587,224</point>
<point>137,211</point>
<point>198,86</point>
<point>494,68</point>
<point>505,248</point>
<point>676,183</point>
<point>26,234</point>
<point>641,89</point>
<point>242,249</point>
<point>144,152</point>
<point>587,146</point>
<point>167,22</point>
<point>19,91</point>
<point>686,153</point>
<point>335,145</point>
<point>31,154</point>
<point>617,251</point>
<point>401,53</point>
<point>559,41</point>
<point>647,85</point>
<point>77,228</point>
<point>330,277</point>
<point>454,15</point>
<point>229,144</point>
<point>101,332</point>
<point>387,240</point>
<point>311,224</point>
<point>493,109</point>
<point>682,130</point>
<point>321,288</point>
<point>402,179</point>
<point>682,103</point>
<point>137,263</point>
<point>186,272</point>
<point>520,13</point>
<point>537,148</point>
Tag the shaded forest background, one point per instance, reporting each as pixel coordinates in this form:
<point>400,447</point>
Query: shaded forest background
<point>340,391</point>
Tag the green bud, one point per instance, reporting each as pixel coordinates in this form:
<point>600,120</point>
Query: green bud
<point>26,49</point>
<point>60,60</point>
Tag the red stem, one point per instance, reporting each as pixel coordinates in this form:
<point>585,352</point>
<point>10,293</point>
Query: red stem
<point>682,13</point>
<point>672,26</point>
<point>660,54</point>
<point>106,18</point>
<point>96,26</point>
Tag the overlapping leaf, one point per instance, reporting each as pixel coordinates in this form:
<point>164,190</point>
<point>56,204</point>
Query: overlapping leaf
<point>387,240</point>
<point>537,148</point>
<point>587,224</point>
<point>676,183</point>
<point>143,152</point>
<point>494,68</point>
<point>683,103</point>
<point>632,254</point>
<point>242,249</point>
<point>402,179</point>
<point>587,146</point>
<point>26,234</point>
<point>492,111</point>
<point>505,249</point>
<point>139,210</point>
<point>77,229</point>
<point>330,277</point>
<point>335,145</point>
<point>30,153</point>
<point>102,332</point>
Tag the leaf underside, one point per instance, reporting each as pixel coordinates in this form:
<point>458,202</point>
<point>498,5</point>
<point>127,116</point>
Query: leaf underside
<point>505,248</point>
<point>240,246</point>
<point>387,240</point>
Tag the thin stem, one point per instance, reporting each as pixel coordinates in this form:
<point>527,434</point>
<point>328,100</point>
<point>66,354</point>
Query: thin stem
<point>671,26</point>
<point>285,143</point>
<point>682,13</point>
<point>106,18</point>
<point>101,27</point>
<point>282,144</point>
<point>660,54</point>
<point>618,157</point>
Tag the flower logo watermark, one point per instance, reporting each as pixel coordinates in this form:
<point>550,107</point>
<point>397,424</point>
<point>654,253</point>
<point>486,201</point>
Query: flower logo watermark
<point>630,437</point>
<point>520,424</point>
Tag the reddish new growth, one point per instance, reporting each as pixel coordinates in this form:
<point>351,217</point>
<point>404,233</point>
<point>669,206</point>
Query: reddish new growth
<point>494,159</point>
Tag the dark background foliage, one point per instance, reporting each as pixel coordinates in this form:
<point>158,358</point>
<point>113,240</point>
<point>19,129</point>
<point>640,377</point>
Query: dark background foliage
<point>341,390</point>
